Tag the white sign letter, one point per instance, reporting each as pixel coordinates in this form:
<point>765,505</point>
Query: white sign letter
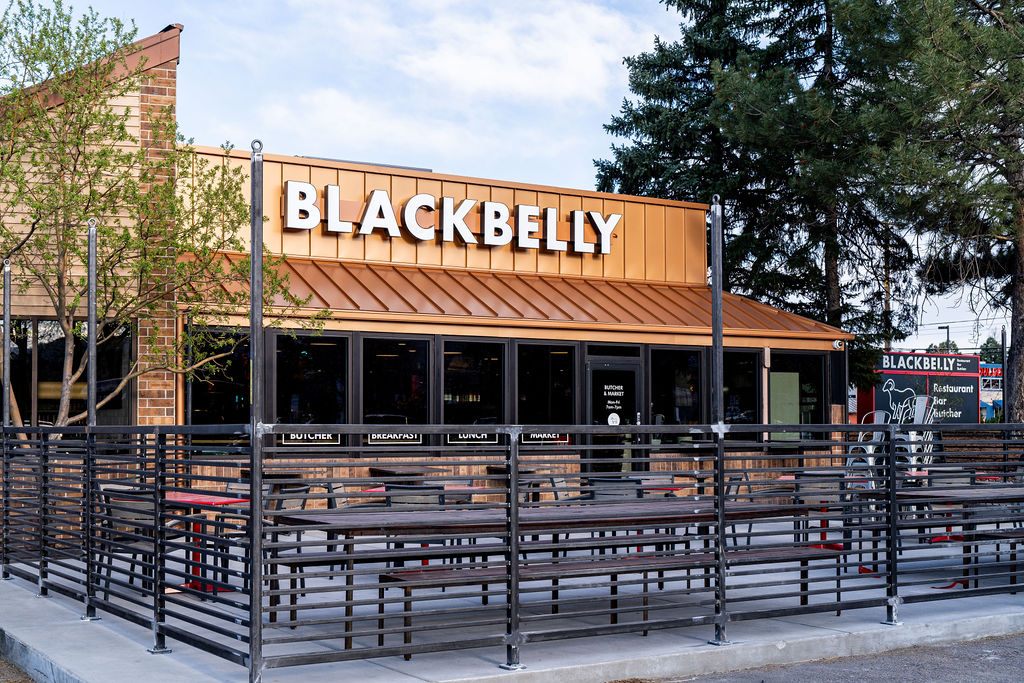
<point>578,244</point>
<point>497,231</point>
<point>379,214</point>
<point>332,207</point>
<point>420,201</point>
<point>604,228</point>
<point>454,220</point>
<point>526,227</point>
<point>551,240</point>
<point>299,199</point>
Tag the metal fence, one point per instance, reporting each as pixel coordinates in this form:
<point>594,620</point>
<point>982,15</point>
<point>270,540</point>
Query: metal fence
<point>376,541</point>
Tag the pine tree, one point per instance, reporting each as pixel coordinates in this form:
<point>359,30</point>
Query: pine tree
<point>960,164</point>
<point>768,106</point>
<point>992,351</point>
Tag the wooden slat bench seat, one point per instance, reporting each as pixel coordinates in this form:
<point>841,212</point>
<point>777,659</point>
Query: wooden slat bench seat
<point>598,565</point>
<point>296,561</point>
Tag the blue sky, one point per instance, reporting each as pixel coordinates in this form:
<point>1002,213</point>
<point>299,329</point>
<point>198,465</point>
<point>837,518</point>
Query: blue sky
<point>505,89</point>
<point>509,90</point>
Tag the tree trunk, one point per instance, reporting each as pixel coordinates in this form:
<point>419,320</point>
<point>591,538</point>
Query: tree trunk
<point>1014,411</point>
<point>64,406</point>
<point>833,292</point>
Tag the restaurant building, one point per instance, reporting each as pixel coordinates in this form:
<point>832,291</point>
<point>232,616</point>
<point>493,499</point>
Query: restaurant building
<point>457,300</point>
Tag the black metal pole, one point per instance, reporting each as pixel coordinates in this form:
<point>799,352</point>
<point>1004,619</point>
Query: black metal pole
<point>717,409</point>
<point>44,487</point>
<point>1005,376</point>
<point>513,636</point>
<point>189,356</point>
<point>90,368</point>
<point>90,438</point>
<point>5,533</point>
<point>159,547</point>
<point>256,414</point>
<point>892,519</point>
<point>718,418</point>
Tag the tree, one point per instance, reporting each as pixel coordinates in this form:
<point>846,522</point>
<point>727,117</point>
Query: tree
<point>943,347</point>
<point>992,351</point>
<point>766,104</point>
<point>959,165</point>
<point>167,216</point>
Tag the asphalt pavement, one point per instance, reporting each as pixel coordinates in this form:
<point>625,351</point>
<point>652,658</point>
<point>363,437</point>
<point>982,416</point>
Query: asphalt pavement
<point>988,660</point>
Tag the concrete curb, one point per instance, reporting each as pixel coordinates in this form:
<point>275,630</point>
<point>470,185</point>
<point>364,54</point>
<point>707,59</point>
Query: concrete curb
<point>34,663</point>
<point>738,656</point>
<point>45,638</point>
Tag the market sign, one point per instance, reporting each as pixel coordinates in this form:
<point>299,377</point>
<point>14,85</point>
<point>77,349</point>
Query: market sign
<point>952,380</point>
<point>524,225</point>
<point>544,438</point>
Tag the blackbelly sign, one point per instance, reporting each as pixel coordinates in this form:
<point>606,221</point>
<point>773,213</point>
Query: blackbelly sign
<point>952,380</point>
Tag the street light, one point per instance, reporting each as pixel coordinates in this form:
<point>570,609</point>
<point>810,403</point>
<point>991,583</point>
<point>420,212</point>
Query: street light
<point>946,328</point>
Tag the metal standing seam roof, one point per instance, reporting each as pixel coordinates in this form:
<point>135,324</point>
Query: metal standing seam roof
<point>408,291</point>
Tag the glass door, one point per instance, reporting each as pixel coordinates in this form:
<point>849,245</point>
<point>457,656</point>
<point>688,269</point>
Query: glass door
<point>613,398</point>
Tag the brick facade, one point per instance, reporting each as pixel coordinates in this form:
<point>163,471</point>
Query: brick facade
<point>155,391</point>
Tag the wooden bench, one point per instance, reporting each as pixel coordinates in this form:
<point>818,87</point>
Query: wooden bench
<point>598,565</point>
<point>296,561</point>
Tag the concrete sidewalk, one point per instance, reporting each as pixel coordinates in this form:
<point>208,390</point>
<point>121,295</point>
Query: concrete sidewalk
<point>46,638</point>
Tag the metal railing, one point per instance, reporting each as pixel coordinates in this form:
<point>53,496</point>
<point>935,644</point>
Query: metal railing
<point>379,541</point>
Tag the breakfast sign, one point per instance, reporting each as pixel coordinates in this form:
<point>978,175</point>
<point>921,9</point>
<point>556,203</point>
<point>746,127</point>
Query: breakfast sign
<point>425,217</point>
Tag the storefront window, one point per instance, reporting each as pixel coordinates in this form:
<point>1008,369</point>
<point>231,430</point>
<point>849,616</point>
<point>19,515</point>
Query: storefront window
<point>545,388</point>
<point>22,342</point>
<point>676,389</point>
<point>396,381</point>
<point>222,397</point>
<point>796,390</point>
<point>740,395</point>
<point>112,360</point>
<point>312,378</point>
<point>474,386</point>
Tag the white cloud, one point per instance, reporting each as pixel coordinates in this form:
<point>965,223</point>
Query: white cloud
<point>510,89</point>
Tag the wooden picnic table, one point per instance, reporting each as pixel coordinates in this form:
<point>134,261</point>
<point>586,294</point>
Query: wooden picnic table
<point>650,513</point>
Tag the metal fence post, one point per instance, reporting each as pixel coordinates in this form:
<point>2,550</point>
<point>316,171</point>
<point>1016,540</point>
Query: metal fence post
<point>513,636</point>
<point>88,491</point>
<point>43,491</point>
<point>90,368</point>
<point>256,414</point>
<point>159,539</point>
<point>892,589</point>
<point>5,533</point>
<point>721,609</point>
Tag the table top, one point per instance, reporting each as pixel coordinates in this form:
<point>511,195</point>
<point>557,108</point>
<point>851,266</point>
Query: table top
<point>447,487</point>
<point>982,493</point>
<point>402,470</point>
<point>654,513</point>
<point>201,498</point>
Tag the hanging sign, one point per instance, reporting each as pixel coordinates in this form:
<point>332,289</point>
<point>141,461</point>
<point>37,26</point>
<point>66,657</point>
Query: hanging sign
<point>310,439</point>
<point>952,380</point>
<point>393,437</point>
<point>468,438</point>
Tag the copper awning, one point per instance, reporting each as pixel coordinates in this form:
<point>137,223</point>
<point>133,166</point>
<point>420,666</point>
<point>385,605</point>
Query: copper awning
<point>464,296</point>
